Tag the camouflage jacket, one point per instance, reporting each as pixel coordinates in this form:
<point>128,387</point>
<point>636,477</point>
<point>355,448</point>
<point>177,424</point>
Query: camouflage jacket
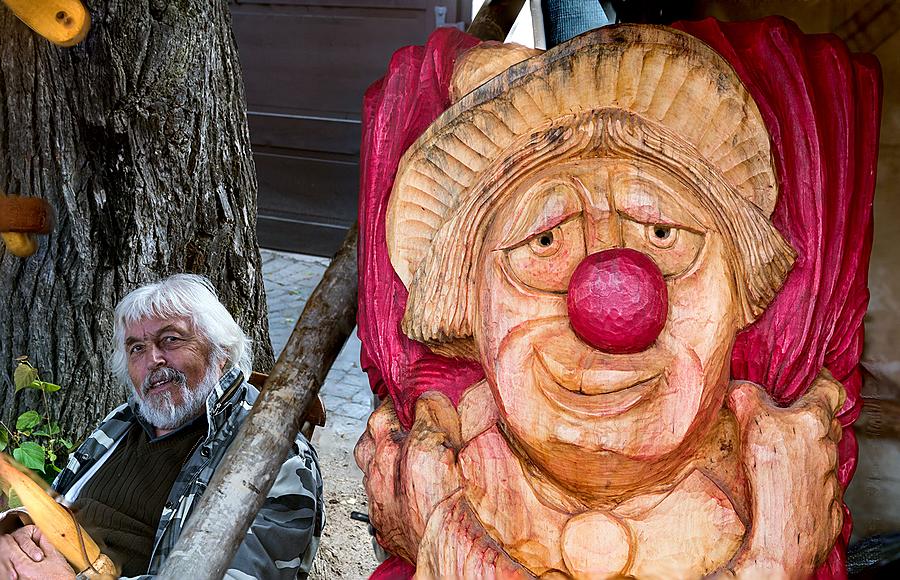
<point>284,536</point>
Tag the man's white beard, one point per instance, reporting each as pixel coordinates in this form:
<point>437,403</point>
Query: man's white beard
<point>162,413</point>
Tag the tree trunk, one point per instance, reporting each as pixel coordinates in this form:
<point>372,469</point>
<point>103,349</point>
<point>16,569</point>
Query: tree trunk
<point>138,139</point>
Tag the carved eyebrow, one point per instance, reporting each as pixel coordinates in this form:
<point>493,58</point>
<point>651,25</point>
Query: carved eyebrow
<point>539,228</point>
<point>569,207</point>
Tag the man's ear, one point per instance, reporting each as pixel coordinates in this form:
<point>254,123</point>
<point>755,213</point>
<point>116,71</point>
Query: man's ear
<point>222,364</point>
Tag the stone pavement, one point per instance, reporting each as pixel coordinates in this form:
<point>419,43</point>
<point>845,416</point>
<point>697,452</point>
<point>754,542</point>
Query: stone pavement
<point>289,280</point>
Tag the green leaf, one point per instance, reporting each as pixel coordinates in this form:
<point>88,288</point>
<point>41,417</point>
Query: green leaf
<point>48,387</point>
<point>51,455</point>
<point>24,376</point>
<point>31,455</point>
<point>27,420</point>
<point>68,444</point>
<point>4,438</point>
<point>52,430</point>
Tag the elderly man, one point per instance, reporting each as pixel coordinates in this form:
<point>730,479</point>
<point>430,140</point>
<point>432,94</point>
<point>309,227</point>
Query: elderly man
<point>135,480</point>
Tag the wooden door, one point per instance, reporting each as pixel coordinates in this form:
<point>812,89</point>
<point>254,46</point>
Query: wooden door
<point>306,64</point>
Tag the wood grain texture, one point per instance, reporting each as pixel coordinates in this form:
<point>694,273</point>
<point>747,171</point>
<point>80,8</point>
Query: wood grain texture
<point>56,523</point>
<point>718,450</point>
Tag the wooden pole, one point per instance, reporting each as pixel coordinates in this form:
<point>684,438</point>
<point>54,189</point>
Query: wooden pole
<point>495,19</point>
<point>247,472</point>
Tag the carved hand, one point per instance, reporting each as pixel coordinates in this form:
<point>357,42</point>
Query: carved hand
<point>790,459</point>
<point>408,473</point>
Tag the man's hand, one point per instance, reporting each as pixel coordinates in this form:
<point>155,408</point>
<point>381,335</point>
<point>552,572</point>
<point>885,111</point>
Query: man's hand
<point>26,553</point>
<point>18,547</point>
<point>50,566</point>
<point>408,474</point>
<point>790,459</point>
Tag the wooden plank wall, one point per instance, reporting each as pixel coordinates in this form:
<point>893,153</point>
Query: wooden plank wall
<point>306,65</point>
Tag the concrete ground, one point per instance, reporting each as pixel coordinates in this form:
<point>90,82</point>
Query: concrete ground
<point>346,549</point>
<point>289,280</point>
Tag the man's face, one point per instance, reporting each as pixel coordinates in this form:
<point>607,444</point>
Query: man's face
<point>168,363</point>
<point>577,411</point>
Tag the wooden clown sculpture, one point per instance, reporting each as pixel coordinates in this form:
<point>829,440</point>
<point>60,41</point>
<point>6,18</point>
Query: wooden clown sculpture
<point>608,350</point>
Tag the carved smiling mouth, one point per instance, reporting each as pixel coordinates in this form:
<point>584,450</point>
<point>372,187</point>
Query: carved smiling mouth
<point>596,392</point>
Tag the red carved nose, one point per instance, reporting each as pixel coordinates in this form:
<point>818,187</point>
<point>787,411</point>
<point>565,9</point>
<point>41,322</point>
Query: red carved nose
<point>618,301</point>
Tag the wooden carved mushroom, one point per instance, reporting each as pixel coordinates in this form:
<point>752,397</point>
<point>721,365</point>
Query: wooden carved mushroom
<point>20,218</point>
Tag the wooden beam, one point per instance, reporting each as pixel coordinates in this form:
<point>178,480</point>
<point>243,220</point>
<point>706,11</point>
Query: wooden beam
<point>220,521</point>
<point>871,25</point>
<point>247,472</point>
<point>495,19</point>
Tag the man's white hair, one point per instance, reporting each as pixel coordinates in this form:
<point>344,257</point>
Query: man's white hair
<point>182,296</point>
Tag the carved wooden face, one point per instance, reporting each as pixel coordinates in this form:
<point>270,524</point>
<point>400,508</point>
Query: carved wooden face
<point>568,402</point>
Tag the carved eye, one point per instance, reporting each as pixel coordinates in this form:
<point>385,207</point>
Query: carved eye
<point>674,249</point>
<point>545,244</point>
<point>545,261</point>
<point>662,236</point>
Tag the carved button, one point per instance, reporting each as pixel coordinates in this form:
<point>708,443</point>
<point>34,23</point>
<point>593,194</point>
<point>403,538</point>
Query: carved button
<point>204,451</point>
<point>595,545</point>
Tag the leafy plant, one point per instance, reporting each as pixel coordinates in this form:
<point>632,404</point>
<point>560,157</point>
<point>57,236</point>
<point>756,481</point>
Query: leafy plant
<point>36,441</point>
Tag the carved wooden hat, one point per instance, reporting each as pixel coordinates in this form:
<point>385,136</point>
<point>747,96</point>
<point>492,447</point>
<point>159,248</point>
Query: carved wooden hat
<point>659,74</point>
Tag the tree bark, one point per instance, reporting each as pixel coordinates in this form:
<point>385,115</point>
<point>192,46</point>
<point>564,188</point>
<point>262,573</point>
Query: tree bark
<point>138,139</point>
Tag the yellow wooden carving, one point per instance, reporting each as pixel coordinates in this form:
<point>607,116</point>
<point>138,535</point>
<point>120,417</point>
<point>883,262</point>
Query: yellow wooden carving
<point>62,22</point>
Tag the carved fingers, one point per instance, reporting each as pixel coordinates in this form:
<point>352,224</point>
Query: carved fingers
<point>378,456</point>
<point>456,545</point>
<point>790,459</point>
<point>408,473</point>
<point>429,471</point>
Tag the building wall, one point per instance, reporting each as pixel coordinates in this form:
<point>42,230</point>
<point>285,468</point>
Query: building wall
<point>306,65</point>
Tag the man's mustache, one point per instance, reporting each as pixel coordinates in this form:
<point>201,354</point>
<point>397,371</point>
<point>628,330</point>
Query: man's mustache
<point>163,375</point>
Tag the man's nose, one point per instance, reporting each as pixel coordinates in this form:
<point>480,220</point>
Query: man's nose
<point>155,356</point>
<point>618,301</point>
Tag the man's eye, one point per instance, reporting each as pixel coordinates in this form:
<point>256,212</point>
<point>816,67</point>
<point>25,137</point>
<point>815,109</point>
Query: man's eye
<point>170,340</point>
<point>674,249</point>
<point>136,349</point>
